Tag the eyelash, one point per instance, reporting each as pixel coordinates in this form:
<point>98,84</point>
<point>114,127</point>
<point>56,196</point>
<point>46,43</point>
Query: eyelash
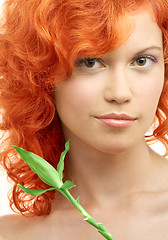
<point>79,64</point>
<point>146,57</point>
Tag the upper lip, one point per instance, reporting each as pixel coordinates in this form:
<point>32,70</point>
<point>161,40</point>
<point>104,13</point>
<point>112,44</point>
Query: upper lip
<point>116,116</point>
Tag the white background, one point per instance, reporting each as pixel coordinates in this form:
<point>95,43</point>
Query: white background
<point>1,1</point>
<point>5,186</point>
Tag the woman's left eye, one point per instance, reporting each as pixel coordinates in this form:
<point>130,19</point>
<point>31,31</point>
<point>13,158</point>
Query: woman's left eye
<point>143,62</point>
<point>90,64</point>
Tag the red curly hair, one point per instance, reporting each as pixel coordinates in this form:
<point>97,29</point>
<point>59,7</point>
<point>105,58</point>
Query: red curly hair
<point>40,41</point>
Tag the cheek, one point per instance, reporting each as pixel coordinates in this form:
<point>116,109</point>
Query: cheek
<point>73,98</point>
<point>151,92</point>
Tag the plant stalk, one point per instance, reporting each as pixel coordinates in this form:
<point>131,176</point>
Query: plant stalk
<point>88,218</point>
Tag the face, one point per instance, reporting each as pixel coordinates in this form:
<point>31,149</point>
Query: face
<point>109,103</point>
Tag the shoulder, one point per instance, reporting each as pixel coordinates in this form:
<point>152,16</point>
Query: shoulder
<point>53,226</point>
<point>7,222</point>
<point>10,226</point>
<point>17,227</point>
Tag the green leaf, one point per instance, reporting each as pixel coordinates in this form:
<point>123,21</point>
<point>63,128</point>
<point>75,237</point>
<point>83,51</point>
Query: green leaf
<point>77,199</point>
<point>60,166</point>
<point>46,172</point>
<point>35,192</point>
<point>67,185</point>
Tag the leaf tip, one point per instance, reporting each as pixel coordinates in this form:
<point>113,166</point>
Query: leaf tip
<point>67,144</point>
<point>12,145</point>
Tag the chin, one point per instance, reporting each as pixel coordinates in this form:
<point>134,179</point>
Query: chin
<point>113,149</point>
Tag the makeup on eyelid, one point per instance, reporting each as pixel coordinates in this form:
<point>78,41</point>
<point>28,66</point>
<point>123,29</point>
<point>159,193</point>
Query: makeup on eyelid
<point>92,64</point>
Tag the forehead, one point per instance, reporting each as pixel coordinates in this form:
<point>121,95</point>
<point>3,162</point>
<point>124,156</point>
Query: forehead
<point>139,25</point>
<point>94,32</point>
<point>144,34</point>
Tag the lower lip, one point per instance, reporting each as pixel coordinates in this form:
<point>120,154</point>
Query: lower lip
<point>116,123</point>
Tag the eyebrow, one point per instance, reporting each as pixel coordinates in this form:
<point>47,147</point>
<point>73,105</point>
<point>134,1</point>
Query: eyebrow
<point>149,48</point>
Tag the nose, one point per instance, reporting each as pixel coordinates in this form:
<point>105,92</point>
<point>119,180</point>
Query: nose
<point>117,87</point>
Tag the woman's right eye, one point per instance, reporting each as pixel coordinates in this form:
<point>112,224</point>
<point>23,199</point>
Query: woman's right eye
<point>90,64</point>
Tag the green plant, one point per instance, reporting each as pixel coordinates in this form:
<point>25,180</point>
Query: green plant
<point>54,178</point>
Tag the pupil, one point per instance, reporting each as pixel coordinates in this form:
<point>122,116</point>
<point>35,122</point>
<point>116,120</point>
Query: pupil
<point>89,63</point>
<point>141,61</point>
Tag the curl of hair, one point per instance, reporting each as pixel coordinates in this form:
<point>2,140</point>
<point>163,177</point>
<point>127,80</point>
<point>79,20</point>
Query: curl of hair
<point>40,41</point>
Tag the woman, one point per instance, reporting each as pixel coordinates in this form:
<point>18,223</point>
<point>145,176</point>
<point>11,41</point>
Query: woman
<point>94,72</point>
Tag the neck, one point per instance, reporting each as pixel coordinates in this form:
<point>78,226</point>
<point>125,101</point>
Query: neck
<point>101,177</point>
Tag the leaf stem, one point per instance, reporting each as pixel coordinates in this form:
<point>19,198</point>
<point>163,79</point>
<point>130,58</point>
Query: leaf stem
<point>88,218</point>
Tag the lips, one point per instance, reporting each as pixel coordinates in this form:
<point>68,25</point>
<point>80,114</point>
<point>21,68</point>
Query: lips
<point>116,116</point>
<point>116,120</point>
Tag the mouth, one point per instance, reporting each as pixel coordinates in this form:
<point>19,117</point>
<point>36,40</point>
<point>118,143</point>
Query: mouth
<point>117,120</point>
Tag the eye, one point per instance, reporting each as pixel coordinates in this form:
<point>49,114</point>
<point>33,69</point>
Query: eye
<point>90,64</point>
<point>143,63</point>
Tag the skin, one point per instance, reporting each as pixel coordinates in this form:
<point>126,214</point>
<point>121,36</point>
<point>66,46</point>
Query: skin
<point>120,156</point>
<point>120,180</point>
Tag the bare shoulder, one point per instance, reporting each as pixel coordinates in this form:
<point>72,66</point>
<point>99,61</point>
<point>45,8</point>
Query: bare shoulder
<point>54,226</point>
<point>10,225</point>
<point>18,227</point>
